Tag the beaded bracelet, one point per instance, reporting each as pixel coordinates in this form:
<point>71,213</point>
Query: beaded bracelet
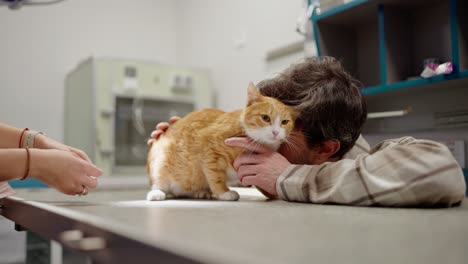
<point>29,137</point>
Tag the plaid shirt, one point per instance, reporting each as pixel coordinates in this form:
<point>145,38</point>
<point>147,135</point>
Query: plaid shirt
<point>396,172</point>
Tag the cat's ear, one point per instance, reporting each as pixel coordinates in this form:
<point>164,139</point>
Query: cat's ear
<point>253,95</point>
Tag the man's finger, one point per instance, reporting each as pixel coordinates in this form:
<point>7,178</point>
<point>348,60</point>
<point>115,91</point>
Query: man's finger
<point>246,159</point>
<point>250,180</point>
<point>247,143</point>
<point>246,171</point>
<point>163,126</point>
<point>156,134</point>
<point>149,142</point>
<point>174,119</point>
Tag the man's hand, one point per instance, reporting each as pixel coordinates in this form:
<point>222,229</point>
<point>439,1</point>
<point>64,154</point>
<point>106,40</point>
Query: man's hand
<point>160,129</point>
<point>261,167</point>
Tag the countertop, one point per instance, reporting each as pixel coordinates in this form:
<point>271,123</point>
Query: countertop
<point>255,229</point>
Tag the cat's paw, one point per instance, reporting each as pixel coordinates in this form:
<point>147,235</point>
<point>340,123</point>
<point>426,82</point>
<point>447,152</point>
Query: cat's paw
<point>155,195</point>
<point>229,196</point>
<point>202,195</point>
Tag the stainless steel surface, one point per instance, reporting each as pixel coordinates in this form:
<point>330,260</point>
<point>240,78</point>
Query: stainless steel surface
<point>256,230</point>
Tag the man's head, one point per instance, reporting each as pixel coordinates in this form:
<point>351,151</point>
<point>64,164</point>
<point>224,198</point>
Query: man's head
<point>331,108</point>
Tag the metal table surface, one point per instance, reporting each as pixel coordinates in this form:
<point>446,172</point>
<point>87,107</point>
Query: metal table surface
<point>251,230</point>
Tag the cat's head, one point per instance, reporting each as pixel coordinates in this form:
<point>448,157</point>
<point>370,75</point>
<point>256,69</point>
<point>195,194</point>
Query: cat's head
<point>265,119</point>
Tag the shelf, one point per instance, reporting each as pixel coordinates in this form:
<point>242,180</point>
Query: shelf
<point>462,23</point>
<point>384,43</point>
<point>342,9</point>
<point>412,35</point>
<point>440,79</point>
<point>353,39</point>
<point>349,10</point>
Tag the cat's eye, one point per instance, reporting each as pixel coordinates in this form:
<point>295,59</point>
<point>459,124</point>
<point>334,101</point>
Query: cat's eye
<point>284,122</point>
<point>266,118</point>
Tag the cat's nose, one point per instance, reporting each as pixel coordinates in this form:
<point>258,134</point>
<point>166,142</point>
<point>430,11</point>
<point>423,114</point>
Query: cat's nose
<point>275,133</point>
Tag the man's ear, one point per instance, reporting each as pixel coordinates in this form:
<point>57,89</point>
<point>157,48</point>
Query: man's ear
<point>253,95</point>
<point>327,149</point>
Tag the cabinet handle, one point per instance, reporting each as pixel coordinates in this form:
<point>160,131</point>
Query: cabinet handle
<point>107,113</point>
<point>387,114</point>
<point>107,152</point>
<point>92,243</point>
<point>75,239</point>
<point>71,235</point>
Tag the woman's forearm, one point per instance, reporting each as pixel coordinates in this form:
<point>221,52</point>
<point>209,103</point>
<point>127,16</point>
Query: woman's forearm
<point>9,136</point>
<point>13,164</point>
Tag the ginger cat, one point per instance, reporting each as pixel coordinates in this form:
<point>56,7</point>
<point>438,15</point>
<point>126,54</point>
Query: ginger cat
<point>191,160</point>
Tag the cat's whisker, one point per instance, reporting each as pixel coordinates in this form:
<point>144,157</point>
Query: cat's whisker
<point>294,141</point>
<point>294,133</point>
<point>300,133</point>
<point>291,145</point>
<point>294,146</point>
<point>254,144</point>
<point>294,136</point>
<point>247,148</point>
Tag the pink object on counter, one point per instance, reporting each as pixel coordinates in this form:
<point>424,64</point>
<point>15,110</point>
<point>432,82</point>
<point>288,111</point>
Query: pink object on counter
<point>433,69</point>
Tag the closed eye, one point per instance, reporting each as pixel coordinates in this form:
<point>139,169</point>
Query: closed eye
<point>284,122</point>
<point>266,118</point>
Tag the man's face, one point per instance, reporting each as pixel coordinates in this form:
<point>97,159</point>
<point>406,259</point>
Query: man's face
<point>296,151</point>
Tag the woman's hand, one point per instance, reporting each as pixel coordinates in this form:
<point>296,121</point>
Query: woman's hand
<point>161,128</point>
<point>63,170</point>
<point>44,142</point>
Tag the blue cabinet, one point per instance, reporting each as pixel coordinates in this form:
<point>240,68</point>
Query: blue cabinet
<point>384,43</point>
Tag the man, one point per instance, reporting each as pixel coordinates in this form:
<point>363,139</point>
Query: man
<point>328,162</point>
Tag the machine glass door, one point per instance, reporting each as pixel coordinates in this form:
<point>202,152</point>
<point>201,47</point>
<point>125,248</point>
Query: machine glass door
<point>134,121</point>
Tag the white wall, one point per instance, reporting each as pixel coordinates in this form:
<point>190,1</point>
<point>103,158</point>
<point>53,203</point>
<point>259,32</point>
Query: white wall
<point>209,30</point>
<point>40,45</point>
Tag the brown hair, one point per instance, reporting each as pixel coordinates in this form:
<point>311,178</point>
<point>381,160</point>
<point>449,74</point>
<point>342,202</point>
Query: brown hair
<point>327,98</point>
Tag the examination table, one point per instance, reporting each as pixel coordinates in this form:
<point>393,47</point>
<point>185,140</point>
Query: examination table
<point>120,226</point>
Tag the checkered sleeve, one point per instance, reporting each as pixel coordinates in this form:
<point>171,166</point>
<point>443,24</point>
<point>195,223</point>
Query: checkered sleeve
<point>398,172</point>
